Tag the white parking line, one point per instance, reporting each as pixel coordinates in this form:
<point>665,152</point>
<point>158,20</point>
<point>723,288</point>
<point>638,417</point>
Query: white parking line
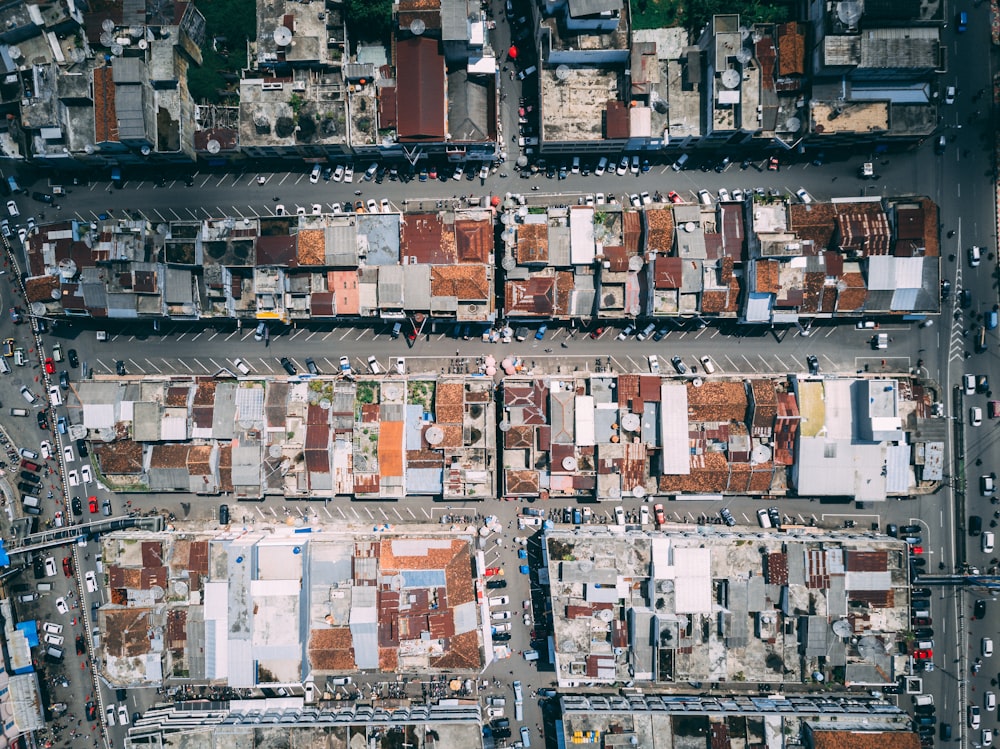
<point>193,214</point>
<point>219,366</point>
<point>347,332</point>
<point>205,181</point>
<point>749,365</point>
<point>765,362</point>
<point>196,336</point>
<point>784,367</point>
<point>159,371</point>
<point>295,333</point>
<point>185,365</point>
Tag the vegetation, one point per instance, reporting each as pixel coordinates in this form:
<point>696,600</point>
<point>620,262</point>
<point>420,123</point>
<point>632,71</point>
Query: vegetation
<point>695,14</point>
<point>236,20</point>
<point>369,20</point>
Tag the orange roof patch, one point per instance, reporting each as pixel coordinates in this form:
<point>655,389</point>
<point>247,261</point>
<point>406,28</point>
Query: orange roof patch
<point>390,448</point>
<point>312,247</point>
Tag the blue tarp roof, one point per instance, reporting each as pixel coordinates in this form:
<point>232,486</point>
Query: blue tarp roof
<point>30,630</point>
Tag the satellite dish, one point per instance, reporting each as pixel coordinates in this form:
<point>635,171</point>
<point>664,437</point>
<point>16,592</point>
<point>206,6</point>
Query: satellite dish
<point>744,55</point>
<point>282,36</point>
<point>635,263</point>
<point>417,26</point>
<point>135,31</point>
<point>107,39</point>
<point>638,492</point>
<point>697,382</point>
<point>143,44</point>
<point>37,309</point>
<point>849,12</point>
<point>508,263</point>
<point>213,146</point>
<point>730,78</point>
<point>15,52</point>
<point>634,310</point>
<point>505,424</point>
<point>842,628</point>
<point>67,269</point>
<point>690,226</point>
<point>569,463</point>
<point>274,451</point>
<point>107,25</point>
<point>630,422</point>
<point>117,49</point>
<point>434,435</point>
<point>793,124</point>
<point>145,150</point>
<point>562,72</point>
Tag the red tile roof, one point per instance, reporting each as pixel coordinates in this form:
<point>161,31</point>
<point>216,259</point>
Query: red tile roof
<point>105,114</point>
<point>420,78</point>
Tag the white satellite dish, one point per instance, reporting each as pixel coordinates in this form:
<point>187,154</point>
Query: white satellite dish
<point>282,36</point>
<point>117,49</point>
<point>15,52</point>
<point>107,39</point>
<point>562,72</point>
<point>213,146</point>
<point>107,25</point>
<point>417,26</point>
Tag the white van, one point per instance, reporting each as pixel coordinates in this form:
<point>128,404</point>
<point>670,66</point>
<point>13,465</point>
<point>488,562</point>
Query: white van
<point>602,166</point>
<point>526,72</point>
<point>4,366</point>
<point>241,366</point>
<point>519,711</point>
<point>531,655</point>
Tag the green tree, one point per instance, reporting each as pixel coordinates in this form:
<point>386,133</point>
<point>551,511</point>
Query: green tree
<point>370,20</point>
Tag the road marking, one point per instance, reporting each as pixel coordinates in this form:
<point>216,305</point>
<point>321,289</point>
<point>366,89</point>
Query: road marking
<point>752,369</point>
<point>205,181</point>
<point>159,371</point>
<point>235,332</point>
<point>217,366</point>
<point>185,365</point>
<point>766,363</point>
<point>360,335</point>
<point>196,337</point>
<point>830,332</point>
<point>193,214</point>
<point>347,332</point>
<point>784,368</point>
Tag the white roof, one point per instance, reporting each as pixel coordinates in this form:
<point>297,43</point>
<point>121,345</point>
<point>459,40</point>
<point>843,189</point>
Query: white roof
<point>676,459</point>
<point>584,422</point>
<point>583,247</point>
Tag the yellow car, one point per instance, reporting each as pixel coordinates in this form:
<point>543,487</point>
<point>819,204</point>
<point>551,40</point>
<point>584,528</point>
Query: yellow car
<point>8,347</point>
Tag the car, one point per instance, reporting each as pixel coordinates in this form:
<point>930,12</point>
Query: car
<point>349,173</point>
<point>975,256</point>
<point>990,701</point>
<point>45,447</point>
<point>73,358</point>
<point>705,197</point>
<point>109,716</point>
<point>724,196</point>
<point>501,636</point>
<point>338,173</point>
<point>279,210</point>
<point>540,333</point>
<point>673,197</point>
<point>92,505</point>
<point>500,615</point>
<point>73,478</point>
<point>91,580</point>
<point>987,485</point>
<point>106,507</point>
<point>12,208</point>
<point>619,515</point>
<point>975,416</point>
<point>68,455</point>
<point>373,365</point>
<point>962,21</point>
<point>634,166</point>
<point>626,333</point>
<point>491,571</point>
<point>372,206</point>
<point>949,95</point>
<point>597,333</point>
<point>707,364</point>
<point>496,584</point>
<point>315,174</point>
<point>986,737</point>
<point>64,379</point>
<point>61,606</point>
<point>923,654</point>
<point>77,506</point>
<point>123,715</point>
<point>654,363</point>
<point>50,365</point>
<point>288,365</point>
<point>773,164</point>
<point>727,517</point>
<point>775,514</point>
<point>813,364</point>
<point>621,171</point>
<point>979,609</point>
<point>679,365</point>
<point>804,196</point>
<point>67,565</point>
<point>634,200</point>
<point>499,601</point>
<point>384,206</point>
<point>525,736</point>
<point>660,334</point>
<point>81,448</point>
<point>658,514</point>
<point>8,347</point>
<point>50,566</point>
<point>400,365</point>
<point>646,199</point>
<point>987,647</point>
<point>969,384</point>
<point>974,717</point>
<point>317,209</point>
<point>345,365</point>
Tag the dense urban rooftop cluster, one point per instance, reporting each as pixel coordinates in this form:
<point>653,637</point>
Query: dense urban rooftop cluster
<point>762,259</point>
<point>587,436</point>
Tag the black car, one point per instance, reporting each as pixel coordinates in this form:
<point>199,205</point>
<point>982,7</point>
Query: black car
<point>775,516</point>
<point>25,488</point>
<point>311,366</point>
<point>918,562</point>
<point>920,603</point>
<point>906,530</point>
<point>38,568</point>
<point>813,363</point>
<point>288,366</point>
<point>41,197</point>
<point>64,380</point>
<point>982,384</point>
<point>91,710</point>
<point>945,289</point>
<point>81,645</point>
<point>966,298</point>
<point>74,360</point>
<point>81,448</point>
<point>77,506</point>
<point>42,418</point>
<point>922,632</point>
<point>920,593</point>
<point>727,517</point>
<point>121,695</point>
<point>120,368</point>
<point>501,637</point>
<point>979,609</point>
<point>34,478</point>
<point>223,514</point>
<point>495,584</point>
<point>501,733</point>
<point>975,525</point>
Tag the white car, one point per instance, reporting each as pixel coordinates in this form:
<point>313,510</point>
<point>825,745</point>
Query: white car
<point>68,455</point>
<point>349,173</point>
<point>300,210</point>
<point>705,196</point>
<point>46,449</point>
<point>504,627</point>
<point>314,175</point>
<point>372,206</point>
<point>12,208</point>
<point>645,197</point>
<point>261,180</point>
<point>400,365</point>
<point>976,416</point>
<point>499,600</point>
<point>990,701</point>
<point>279,210</point>
<point>634,200</point>
<point>803,195</point>
<point>644,515</point>
<point>949,95</point>
<point>74,478</point>
<point>724,195</point>
<point>619,515</point>
<point>317,209</point>
<point>110,716</point>
<point>969,384</point>
<point>50,566</point>
<point>336,208</point>
<point>500,615</point>
<point>987,737</point>
<point>987,647</point>
<point>374,366</point>
<point>86,475</point>
<point>55,396</point>
<point>123,714</point>
<point>345,365</point>
<point>61,606</point>
<point>56,640</point>
<point>91,580</point>
<point>654,363</point>
<point>600,199</point>
<point>707,365</point>
<point>52,629</point>
<point>338,173</point>
<point>384,206</point>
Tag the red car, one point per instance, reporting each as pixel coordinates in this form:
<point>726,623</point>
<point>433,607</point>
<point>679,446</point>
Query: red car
<point>674,197</point>
<point>658,514</point>
<point>433,174</point>
<point>597,333</point>
<point>921,621</point>
<point>67,567</point>
<point>92,502</point>
<point>491,571</point>
<point>772,164</point>
<point>916,549</point>
<point>50,366</point>
<point>923,655</point>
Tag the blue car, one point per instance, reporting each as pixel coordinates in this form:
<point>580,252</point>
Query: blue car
<point>523,569</point>
<point>541,332</point>
<point>522,554</point>
<point>962,21</point>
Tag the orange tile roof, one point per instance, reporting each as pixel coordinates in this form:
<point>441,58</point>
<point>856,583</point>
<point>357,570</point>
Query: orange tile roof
<point>533,243</point>
<point>105,114</point>
<point>344,285</point>
<point>448,403</point>
<point>390,448</point>
<point>660,235</point>
<point>791,49</point>
<point>865,739</point>
<point>767,272</point>
<point>466,282</point>
<point>311,247</point>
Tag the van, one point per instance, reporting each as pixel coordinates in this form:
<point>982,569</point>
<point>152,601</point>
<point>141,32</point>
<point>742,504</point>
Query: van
<point>531,655</point>
<point>54,652</point>
<point>681,162</point>
<point>241,366</point>
<point>27,598</point>
<point>95,636</point>
<point>602,166</point>
<point>18,412</point>
<point>30,501</point>
<point>991,319</point>
<point>518,695</point>
<point>922,700</point>
<point>340,681</point>
<point>498,701</point>
<point>519,710</point>
<point>987,542</point>
<point>575,169</point>
<point>946,731</point>
<point>44,587</point>
<point>920,613</point>
<point>525,737</point>
<point>396,330</point>
<point>531,70</point>
<point>924,645</point>
<point>29,454</point>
